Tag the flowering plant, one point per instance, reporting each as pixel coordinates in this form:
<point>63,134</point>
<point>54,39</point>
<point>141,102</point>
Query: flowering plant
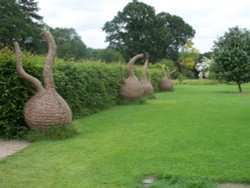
<point>202,67</point>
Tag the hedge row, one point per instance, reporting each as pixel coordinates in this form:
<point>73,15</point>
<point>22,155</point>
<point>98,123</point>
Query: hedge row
<point>88,87</point>
<point>14,92</point>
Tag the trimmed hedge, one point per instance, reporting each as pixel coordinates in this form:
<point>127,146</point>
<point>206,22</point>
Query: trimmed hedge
<point>88,87</point>
<point>14,92</point>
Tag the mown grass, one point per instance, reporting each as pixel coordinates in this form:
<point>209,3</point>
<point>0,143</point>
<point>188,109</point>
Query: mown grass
<point>196,82</point>
<point>197,133</point>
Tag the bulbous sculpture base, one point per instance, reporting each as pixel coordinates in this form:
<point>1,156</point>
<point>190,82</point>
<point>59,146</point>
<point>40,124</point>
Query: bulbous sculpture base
<point>46,109</point>
<point>131,88</point>
<point>147,87</point>
<point>165,84</point>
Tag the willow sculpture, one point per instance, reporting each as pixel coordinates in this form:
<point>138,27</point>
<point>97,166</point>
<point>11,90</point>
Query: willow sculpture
<point>145,82</point>
<point>46,108</point>
<point>165,82</point>
<point>131,87</point>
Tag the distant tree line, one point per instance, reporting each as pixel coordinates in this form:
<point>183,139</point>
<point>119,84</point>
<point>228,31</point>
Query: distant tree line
<point>136,29</point>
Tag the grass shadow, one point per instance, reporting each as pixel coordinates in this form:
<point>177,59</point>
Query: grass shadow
<point>53,133</point>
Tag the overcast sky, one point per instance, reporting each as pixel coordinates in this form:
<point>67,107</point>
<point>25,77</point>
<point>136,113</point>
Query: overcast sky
<point>210,19</point>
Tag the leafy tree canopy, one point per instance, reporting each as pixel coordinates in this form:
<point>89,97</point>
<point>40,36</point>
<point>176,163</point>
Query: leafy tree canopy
<point>69,44</point>
<point>189,55</point>
<point>138,29</point>
<point>107,55</point>
<point>176,32</point>
<point>17,25</point>
<point>30,7</point>
<point>232,56</point>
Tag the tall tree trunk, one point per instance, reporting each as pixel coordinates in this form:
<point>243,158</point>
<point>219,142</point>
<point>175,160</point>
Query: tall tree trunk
<point>239,86</point>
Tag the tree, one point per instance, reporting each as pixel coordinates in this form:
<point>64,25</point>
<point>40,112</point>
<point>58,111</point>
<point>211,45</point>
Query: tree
<point>232,56</point>
<point>69,44</point>
<point>138,29</point>
<point>209,55</point>
<point>30,7</point>
<point>107,55</point>
<point>175,33</point>
<point>129,32</point>
<point>189,55</point>
<point>16,25</point>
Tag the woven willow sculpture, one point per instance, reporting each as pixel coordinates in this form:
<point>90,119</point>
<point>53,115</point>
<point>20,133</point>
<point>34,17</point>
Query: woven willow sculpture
<point>46,108</point>
<point>165,83</point>
<point>145,82</point>
<point>131,87</point>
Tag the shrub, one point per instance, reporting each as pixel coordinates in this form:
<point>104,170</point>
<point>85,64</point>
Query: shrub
<point>155,75</point>
<point>170,65</point>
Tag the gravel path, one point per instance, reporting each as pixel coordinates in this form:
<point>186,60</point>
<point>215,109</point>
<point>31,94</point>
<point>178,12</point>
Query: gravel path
<point>232,185</point>
<point>10,147</point>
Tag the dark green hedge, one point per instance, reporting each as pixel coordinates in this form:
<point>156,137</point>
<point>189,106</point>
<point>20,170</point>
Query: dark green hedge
<point>13,94</point>
<point>88,87</point>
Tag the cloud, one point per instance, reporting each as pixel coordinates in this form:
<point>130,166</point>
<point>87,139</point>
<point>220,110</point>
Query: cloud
<point>97,41</point>
<point>210,19</point>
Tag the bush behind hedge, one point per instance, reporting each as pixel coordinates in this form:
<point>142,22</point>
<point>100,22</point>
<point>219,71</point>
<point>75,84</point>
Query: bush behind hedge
<point>88,87</point>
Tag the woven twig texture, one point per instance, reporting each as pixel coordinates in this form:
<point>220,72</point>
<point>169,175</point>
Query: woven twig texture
<point>165,82</point>
<point>131,87</point>
<point>145,81</point>
<point>46,108</point>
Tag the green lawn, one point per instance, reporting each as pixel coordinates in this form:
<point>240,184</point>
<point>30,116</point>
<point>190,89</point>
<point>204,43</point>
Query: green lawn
<point>195,132</point>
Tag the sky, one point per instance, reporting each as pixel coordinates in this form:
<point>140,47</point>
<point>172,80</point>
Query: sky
<point>209,18</point>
